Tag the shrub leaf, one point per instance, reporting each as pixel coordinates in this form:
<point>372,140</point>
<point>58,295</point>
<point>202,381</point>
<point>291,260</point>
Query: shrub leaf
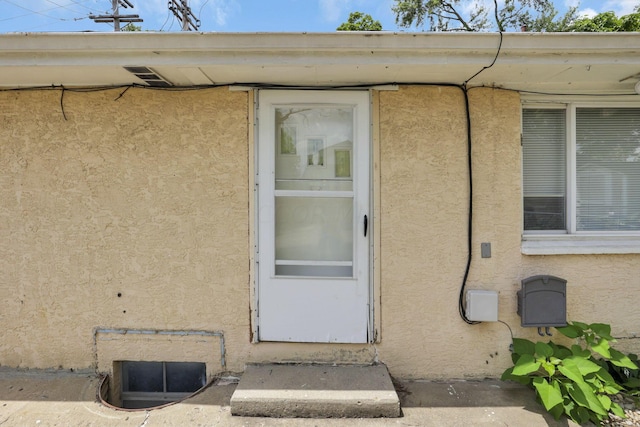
<point>526,364</point>
<point>549,395</point>
<point>543,349</point>
<point>622,360</point>
<point>522,346</point>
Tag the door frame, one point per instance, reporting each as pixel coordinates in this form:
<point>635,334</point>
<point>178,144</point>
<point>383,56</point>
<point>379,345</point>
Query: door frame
<point>374,303</point>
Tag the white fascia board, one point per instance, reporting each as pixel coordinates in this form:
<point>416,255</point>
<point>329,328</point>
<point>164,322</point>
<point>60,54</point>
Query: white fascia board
<point>150,44</point>
<point>239,42</point>
<point>195,49</point>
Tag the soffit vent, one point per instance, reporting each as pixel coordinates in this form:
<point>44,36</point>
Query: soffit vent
<point>148,76</point>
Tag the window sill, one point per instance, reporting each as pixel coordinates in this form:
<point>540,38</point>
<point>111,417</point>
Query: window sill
<point>579,245</point>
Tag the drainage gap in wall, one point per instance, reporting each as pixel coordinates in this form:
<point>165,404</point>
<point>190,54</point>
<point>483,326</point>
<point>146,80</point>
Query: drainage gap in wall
<point>144,385</point>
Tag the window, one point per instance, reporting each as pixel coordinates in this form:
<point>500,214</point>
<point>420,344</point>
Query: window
<point>148,384</point>
<point>607,169</point>
<point>581,170</point>
<point>544,169</point>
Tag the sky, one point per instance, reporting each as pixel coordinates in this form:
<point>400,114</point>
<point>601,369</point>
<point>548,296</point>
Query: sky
<point>228,15</point>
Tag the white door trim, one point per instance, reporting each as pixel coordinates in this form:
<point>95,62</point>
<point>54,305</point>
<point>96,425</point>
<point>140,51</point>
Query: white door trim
<point>363,170</point>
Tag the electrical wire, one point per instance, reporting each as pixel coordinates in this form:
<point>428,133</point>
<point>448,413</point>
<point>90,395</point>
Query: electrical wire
<point>81,4</point>
<point>173,21</point>
<point>62,6</point>
<point>62,104</point>
<point>166,20</point>
<point>462,87</point>
<point>122,93</point>
<point>255,85</point>
<point>510,331</point>
<point>495,58</point>
<point>35,12</point>
<point>464,90</point>
<point>202,7</point>
<point>461,307</point>
<point>533,92</point>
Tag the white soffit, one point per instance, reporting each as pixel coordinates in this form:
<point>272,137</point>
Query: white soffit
<point>194,76</point>
<point>563,62</point>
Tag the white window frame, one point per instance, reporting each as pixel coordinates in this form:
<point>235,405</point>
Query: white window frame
<point>571,241</point>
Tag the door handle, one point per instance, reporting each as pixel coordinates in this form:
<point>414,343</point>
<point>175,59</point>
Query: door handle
<point>366,225</point>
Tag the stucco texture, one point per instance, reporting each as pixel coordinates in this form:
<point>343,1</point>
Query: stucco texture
<point>132,209</point>
<point>424,216</point>
<point>122,210</point>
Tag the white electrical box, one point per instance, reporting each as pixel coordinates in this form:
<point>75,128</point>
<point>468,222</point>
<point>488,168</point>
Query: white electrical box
<point>482,306</point>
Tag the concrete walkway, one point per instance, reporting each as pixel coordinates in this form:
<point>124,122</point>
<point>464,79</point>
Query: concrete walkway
<point>70,399</point>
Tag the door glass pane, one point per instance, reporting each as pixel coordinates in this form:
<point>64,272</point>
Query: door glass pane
<point>314,148</point>
<point>314,236</point>
<point>314,152</point>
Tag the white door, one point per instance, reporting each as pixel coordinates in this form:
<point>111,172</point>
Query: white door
<point>313,216</point>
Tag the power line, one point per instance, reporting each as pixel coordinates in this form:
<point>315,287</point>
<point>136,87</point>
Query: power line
<point>81,5</point>
<point>166,20</point>
<point>202,7</point>
<point>61,6</point>
<point>42,13</point>
<point>35,12</point>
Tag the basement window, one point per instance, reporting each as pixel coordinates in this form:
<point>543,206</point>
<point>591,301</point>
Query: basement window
<point>149,384</point>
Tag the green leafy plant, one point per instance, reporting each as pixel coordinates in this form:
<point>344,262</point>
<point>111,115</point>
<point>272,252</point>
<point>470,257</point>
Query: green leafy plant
<point>628,378</point>
<point>571,381</point>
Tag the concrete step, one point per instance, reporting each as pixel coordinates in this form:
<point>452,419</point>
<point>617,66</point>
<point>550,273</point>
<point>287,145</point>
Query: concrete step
<point>315,391</point>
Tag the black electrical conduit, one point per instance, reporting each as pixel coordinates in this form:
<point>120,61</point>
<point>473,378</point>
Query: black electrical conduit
<point>463,87</point>
<point>461,307</point>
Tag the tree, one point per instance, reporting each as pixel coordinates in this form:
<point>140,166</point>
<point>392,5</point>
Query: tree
<point>454,15</point>
<point>131,27</point>
<point>359,21</point>
<point>545,21</point>
<point>608,22</point>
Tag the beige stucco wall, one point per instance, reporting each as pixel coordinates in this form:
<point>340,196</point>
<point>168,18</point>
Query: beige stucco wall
<point>131,213</point>
<point>424,218</point>
<point>134,212</point>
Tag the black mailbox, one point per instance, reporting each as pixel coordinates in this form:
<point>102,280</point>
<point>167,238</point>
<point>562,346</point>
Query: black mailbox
<point>542,302</point>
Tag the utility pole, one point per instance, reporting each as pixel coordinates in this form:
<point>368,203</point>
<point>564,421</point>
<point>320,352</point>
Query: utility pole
<point>115,17</point>
<point>182,11</point>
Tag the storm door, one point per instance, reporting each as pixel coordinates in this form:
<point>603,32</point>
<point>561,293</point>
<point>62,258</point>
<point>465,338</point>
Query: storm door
<point>313,216</point>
